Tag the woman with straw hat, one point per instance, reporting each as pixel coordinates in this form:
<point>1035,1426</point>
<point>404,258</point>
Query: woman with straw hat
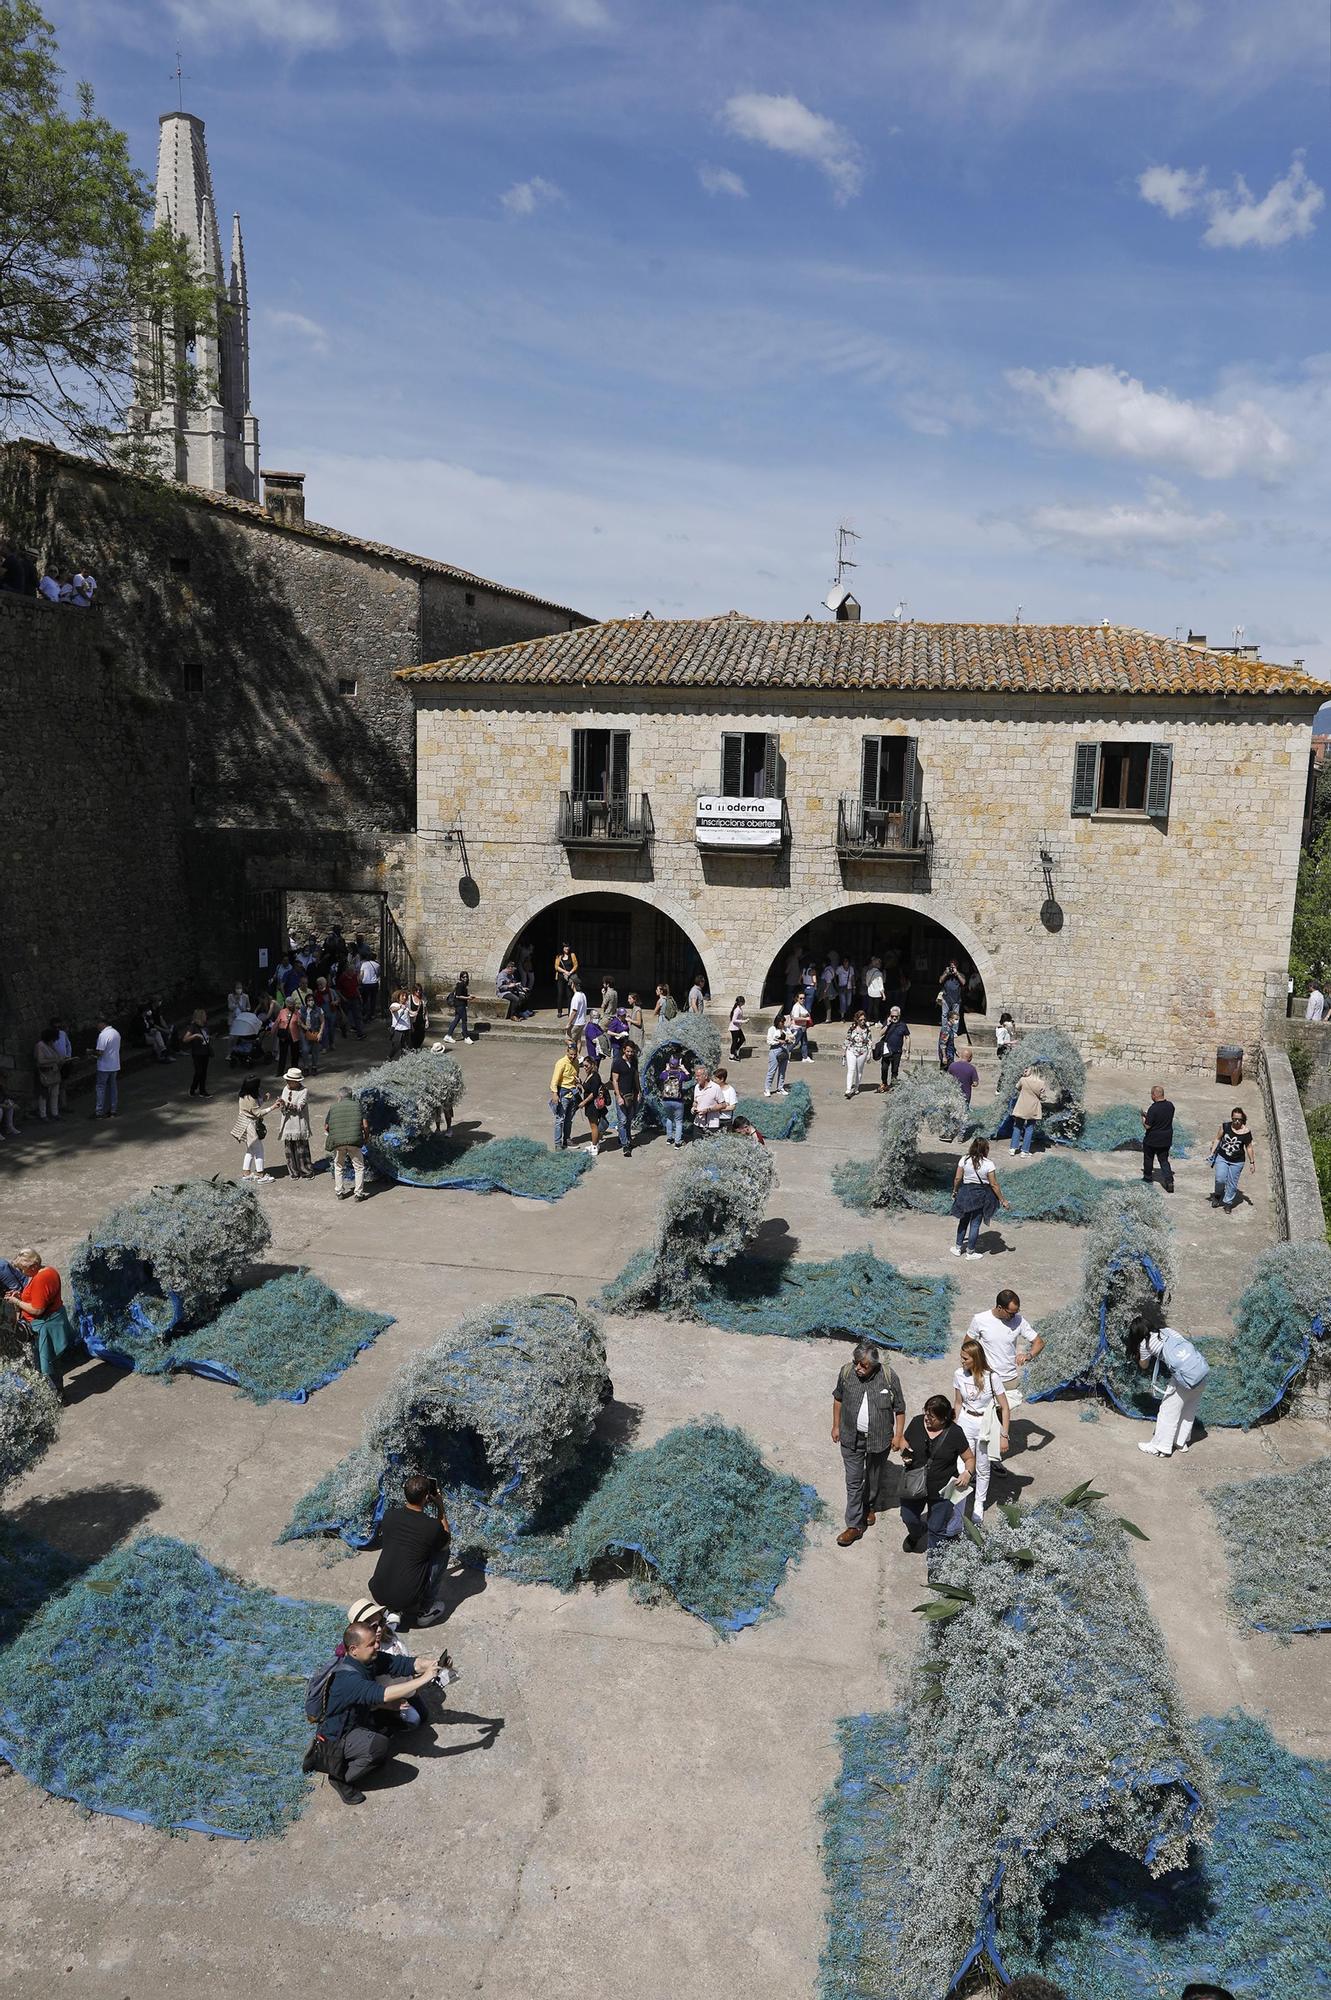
<point>293,1110</point>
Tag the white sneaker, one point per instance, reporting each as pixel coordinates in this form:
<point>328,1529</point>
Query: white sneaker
<point>767,1093</point>
<point>470,1040</point>
<point>591,1150</point>
<point>806,1058</point>
<point>263,1177</point>
<point>956,1249</point>
<point>975,1253</point>
<point>1154,1450</point>
<point>448,1041</point>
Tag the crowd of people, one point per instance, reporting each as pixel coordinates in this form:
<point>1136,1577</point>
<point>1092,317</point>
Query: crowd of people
<point>23,576</point>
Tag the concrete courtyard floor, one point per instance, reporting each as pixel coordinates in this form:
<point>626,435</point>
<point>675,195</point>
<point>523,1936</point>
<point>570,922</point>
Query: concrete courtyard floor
<point>647,1818</point>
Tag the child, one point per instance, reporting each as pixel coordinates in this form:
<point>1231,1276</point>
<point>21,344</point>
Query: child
<point>1004,1034</point>
<point>737,1020</point>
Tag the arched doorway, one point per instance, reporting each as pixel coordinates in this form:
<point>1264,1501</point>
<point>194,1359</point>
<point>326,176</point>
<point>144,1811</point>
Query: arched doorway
<point>914,950</point>
<point>625,939</point>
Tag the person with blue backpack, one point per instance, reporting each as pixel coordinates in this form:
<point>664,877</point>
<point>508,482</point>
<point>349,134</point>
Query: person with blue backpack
<point>1163,1348</point>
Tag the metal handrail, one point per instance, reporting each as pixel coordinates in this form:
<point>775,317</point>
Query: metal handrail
<point>598,819</point>
<point>890,827</point>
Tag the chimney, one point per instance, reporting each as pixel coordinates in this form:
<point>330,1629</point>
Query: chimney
<point>848,611</point>
<point>284,497</point>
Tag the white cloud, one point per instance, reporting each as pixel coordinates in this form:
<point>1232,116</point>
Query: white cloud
<point>1172,188</point>
<point>1288,209</point>
<point>1107,411</point>
<point>1155,529</point>
<point>787,126</point>
<point>720,180</point>
<point>1238,221</point>
<point>525,197</point>
<point>300,324</point>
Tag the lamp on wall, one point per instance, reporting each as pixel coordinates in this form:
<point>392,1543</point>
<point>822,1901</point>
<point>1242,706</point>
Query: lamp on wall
<point>1051,910</point>
<point>455,842</point>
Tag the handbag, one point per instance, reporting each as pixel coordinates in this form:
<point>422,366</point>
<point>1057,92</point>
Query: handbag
<point>915,1483</point>
<point>260,1129</point>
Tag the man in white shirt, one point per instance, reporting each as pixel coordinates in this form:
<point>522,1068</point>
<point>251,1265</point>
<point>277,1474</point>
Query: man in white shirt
<point>1316,1008</point>
<point>708,1101</point>
<point>50,587</point>
<point>368,975</point>
<point>801,1020</point>
<point>1001,1332</point>
<point>729,1097</point>
<point>108,1069</point>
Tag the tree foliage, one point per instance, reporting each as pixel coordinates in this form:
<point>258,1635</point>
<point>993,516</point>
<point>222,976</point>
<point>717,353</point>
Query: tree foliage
<point>79,261</point>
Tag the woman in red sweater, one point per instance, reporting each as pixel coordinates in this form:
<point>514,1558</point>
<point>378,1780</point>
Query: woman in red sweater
<point>41,1309</point>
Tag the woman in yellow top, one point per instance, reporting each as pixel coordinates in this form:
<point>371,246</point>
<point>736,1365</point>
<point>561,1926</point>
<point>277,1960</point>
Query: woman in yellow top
<point>564,1096</point>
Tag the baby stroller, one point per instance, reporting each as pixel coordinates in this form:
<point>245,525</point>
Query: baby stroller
<point>246,1039</point>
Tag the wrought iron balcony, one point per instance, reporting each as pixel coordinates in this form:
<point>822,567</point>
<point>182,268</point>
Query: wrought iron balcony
<point>890,831</point>
<point>590,819</point>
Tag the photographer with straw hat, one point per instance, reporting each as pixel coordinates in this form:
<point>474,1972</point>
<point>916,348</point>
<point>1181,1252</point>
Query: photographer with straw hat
<point>293,1110</point>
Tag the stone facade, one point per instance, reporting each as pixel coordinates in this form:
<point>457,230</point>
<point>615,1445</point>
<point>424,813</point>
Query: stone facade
<point>1171,936</point>
<point>258,738</point>
<point>95,905</point>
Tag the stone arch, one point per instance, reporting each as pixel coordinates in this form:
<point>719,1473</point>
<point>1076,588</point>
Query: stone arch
<point>923,906</point>
<point>518,918</point>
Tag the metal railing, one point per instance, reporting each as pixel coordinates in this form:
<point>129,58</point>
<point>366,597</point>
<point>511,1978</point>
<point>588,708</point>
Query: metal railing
<point>397,967</point>
<point>869,831</point>
<point>590,819</point>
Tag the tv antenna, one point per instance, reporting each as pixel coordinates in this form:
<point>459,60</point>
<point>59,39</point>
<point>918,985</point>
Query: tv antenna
<point>1238,634</point>
<point>844,537</point>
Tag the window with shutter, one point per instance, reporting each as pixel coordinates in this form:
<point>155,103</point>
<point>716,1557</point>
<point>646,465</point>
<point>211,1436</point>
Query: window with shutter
<point>771,788</point>
<point>619,763</point>
<point>869,767</point>
<point>1159,780</point>
<point>1086,779</point>
<point>732,766</point>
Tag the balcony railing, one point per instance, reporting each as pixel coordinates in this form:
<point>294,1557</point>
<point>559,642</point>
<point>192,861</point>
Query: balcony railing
<point>890,831</point>
<point>590,819</point>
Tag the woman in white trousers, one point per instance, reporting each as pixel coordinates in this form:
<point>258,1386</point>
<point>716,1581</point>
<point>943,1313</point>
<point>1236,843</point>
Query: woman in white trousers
<point>1185,1369</point>
<point>858,1039</point>
<point>976,1394</point>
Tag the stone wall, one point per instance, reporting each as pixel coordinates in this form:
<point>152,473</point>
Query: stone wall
<point>94,897</point>
<point>266,658</point>
<point>1169,935</point>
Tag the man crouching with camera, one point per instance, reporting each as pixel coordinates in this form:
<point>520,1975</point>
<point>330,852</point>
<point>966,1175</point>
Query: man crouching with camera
<point>349,1717</point>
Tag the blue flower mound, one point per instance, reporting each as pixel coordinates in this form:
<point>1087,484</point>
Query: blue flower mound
<point>159,1688</point>
<point>30,1571</point>
<point>281,1341</point>
<point>787,1117</point>
<point>499,1166</point>
<point>714,1525</point>
<point>1250,1913</point>
<point>855,1297</point>
<point>1274,1531</point>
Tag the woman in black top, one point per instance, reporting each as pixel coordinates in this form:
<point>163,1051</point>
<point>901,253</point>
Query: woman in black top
<point>418,1014</point>
<point>566,964</point>
<point>459,999</point>
<point>1232,1151</point>
<point>934,1443</point>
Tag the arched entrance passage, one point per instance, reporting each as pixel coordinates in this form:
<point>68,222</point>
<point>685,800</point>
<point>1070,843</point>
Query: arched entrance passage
<point>633,943</point>
<point>914,949</point>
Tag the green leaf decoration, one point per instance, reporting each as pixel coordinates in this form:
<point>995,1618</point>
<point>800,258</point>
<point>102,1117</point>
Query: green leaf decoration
<point>1132,1528</point>
<point>973,1533</point>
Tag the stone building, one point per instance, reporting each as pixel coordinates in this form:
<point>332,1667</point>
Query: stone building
<point>251,740</point>
<point>1103,824</point>
<point>213,440</point>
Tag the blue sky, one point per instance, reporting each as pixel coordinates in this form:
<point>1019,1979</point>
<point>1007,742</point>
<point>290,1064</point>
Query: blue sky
<point>632,304</point>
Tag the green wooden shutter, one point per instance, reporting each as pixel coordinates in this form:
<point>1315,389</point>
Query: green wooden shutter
<point>1086,779</point>
<point>578,761</point>
<point>1159,780</point>
<point>732,766</point>
<point>619,764</point>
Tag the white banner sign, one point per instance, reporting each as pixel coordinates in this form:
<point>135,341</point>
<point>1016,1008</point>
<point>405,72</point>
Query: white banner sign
<point>739,823</point>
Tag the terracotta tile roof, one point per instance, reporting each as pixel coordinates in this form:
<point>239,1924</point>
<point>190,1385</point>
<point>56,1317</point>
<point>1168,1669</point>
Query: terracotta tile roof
<point>731,652</point>
<point>310,531</point>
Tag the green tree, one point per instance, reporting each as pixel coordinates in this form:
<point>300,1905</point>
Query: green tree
<point>1310,945</point>
<point>79,259</point>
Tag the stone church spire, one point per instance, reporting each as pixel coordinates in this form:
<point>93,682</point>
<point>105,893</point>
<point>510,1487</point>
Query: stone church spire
<point>213,443</point>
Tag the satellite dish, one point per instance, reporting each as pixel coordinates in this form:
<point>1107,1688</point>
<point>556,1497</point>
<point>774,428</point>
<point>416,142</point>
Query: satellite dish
<point>836,597</point>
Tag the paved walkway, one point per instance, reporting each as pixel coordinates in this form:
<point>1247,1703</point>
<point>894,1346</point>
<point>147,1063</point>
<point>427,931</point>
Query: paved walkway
<point>647,1818</point>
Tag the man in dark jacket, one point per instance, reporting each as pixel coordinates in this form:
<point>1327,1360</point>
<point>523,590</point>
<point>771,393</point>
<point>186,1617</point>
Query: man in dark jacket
<point>1158,1137</point>
<point>414,1548</point>
<point>355,1746</point>
<point>346,1132</point>
<point>868,1419</point>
